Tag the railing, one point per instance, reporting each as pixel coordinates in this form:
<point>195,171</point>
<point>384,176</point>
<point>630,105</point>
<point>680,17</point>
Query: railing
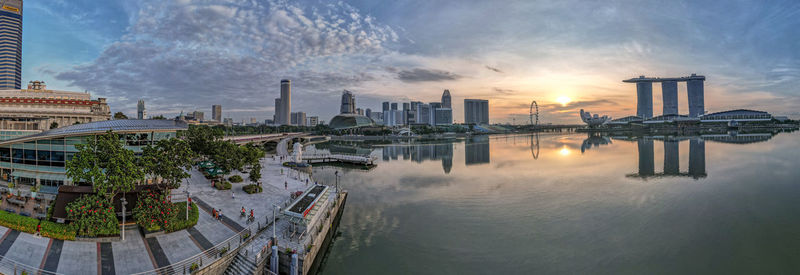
<point>206,257</point>
<point>9,266</point>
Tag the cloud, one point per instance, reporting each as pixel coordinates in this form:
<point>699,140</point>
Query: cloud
<point>420,75</point>
<point>184,54</point>
<point>503,91</point>
<point>493,69</point>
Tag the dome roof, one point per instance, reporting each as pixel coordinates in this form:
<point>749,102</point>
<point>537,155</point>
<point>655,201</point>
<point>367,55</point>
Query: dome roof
<point>349,121</point>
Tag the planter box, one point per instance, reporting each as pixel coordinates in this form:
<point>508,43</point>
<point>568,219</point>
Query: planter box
<point>99,239</point>
<point>148,234</point>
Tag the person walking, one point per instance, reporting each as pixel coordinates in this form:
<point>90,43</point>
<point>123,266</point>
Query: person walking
<point>286,185</point>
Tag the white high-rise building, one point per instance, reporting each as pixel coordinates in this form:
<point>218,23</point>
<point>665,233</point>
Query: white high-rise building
<point>348,103</point>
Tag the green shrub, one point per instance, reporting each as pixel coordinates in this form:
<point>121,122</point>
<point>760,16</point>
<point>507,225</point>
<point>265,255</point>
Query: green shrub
<point>222,185</point>
<point>17,222</point>
<point>236,179</point>
<point>179,221</point>
<point>252,188</point>
<point>57,231</point>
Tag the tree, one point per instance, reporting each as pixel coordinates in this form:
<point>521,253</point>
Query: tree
<point>120,115</point>
<point>255,174</point>
<point>104,163</point>
<point>169,159</point>
<point>53,125</point>
<point>159,117</point>
<point>202,138</point>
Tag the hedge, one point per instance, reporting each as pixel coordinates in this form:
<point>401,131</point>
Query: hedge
<point>18,222</point>
<point>252,188</point>
<point>179,221</point>
<point>57,231</point>
<point>236,179</point>
<point>222,185</point>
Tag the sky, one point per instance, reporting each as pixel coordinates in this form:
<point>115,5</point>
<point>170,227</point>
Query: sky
<point>185,55</point>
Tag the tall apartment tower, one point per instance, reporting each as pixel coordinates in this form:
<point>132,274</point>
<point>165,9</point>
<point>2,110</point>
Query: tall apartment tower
<point>385,106</point>
<point>216,113</point>
<point>141,113</point>
<point>348,103</point>
<point>446,100</point>
<point>286,102</point>
<point>10,44</point>
<point>476,111</point>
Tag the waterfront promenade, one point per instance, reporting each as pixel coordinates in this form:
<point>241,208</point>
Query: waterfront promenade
<point>22,251</point>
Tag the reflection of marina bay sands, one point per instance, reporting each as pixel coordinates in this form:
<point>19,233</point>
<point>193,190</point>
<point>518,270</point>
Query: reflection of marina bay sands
<point>697,153</point>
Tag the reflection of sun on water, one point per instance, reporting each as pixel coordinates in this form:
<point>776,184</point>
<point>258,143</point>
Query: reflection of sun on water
<point>564,151</point>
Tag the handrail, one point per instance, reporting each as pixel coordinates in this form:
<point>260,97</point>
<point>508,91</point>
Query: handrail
<point>13,267</point>
<point>185,264</point>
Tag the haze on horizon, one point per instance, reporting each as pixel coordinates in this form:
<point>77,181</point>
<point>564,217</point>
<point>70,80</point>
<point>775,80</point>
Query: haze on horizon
<point>185,55</point>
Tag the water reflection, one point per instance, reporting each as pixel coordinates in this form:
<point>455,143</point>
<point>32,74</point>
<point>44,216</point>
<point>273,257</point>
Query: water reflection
<point>476,150</point>
<point>697,152</point>
<point>421,152</point>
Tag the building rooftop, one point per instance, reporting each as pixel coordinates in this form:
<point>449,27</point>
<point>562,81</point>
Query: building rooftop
<point>99,127</point>
<point>350,121</point>
<point>642,78</point>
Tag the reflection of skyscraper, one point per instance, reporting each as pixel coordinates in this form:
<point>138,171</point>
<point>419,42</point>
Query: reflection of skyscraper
<point>671,157</point>
<point>697,158</point>
<point>11,46</point>
<point>646,162</point>
<point>476,150</point>
<point>447,157</point>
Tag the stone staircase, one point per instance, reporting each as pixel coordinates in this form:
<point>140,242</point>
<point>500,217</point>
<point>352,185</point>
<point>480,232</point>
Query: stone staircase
<point>241,265</point>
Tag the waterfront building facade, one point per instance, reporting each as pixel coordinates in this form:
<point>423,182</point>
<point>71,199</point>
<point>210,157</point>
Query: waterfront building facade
<point>313,121</point>
<point>476,111</point>
<point>10,44</point>
<point>443,116</point>
<point>216,113</point>
<point>40,158</point>
<point>423,114</point>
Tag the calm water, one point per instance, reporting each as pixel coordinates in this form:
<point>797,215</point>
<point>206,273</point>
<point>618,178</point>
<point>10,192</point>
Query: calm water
<point>577,205</point>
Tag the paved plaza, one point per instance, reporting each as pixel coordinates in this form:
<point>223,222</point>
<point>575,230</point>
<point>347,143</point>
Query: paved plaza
<point>139,254</point>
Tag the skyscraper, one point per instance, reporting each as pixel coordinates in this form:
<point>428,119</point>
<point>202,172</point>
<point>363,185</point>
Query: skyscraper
<point>11,44</point>
<point>286,101</point>
<point>446,101</point>
<point>216,113</point>
<point>385,106</point>
<point>276,118</point>
<point>394,106</point>
<point>298,118</point>
<point>476,111</point>
<point>348,103</point>
<point>368,112</point>
<point>141,113</point>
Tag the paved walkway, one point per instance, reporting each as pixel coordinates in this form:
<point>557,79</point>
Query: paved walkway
<point>139,254</point>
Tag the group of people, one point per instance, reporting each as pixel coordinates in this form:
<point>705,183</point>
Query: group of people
<point>217,213</point>
<point>252,215</point>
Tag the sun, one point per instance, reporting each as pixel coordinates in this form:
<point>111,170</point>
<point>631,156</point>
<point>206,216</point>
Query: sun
<point>563,100</point>
<point>564,151</point>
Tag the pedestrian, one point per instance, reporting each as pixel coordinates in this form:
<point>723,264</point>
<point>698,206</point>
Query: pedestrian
<point>306,182</point>
<point>214,213</point>
<point>286,185</point>
<point>220,213</point>
<point>232,196</point>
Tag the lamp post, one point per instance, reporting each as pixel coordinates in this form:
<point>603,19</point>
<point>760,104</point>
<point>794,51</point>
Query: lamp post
<point>273,223</point>
<point>337,182</point>
<point>123,202</point>
<point>188,200</point>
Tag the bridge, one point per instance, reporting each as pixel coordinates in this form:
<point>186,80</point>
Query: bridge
<point>263,138</point>
<point>367,160</point>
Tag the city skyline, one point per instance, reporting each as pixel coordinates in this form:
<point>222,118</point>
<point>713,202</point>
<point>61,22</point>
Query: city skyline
<point>571,56</point>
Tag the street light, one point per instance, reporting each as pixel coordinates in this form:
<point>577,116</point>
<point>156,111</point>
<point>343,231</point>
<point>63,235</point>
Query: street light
<point>273,222</point>
<point>337,182</point>
<point>188,200</point>
<point>123,202</point>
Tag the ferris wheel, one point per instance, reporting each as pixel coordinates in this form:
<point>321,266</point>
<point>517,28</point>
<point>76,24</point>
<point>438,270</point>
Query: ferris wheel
<point>534,118</point>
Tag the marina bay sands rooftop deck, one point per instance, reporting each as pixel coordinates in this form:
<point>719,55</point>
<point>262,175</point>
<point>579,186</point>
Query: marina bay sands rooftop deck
<point>664,79</point>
